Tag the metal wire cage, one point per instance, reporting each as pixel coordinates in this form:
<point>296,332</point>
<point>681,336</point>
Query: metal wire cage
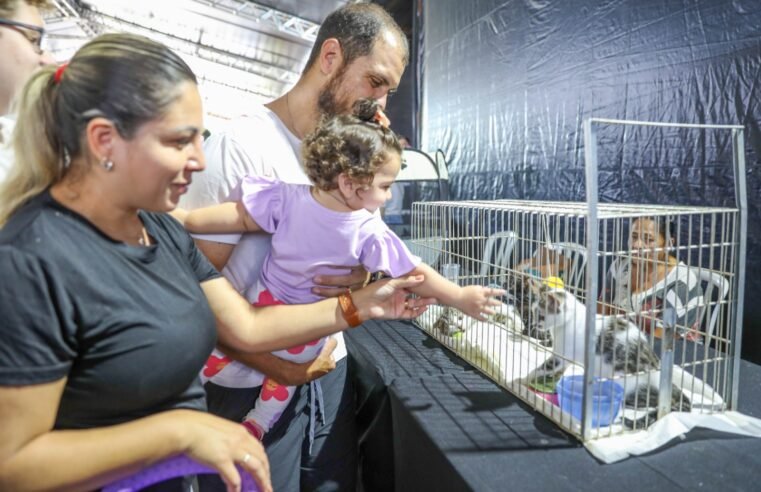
<point>616,314</point>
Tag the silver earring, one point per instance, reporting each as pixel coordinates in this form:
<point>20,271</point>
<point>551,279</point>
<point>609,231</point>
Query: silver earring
<point>107,164</point>
<point>65,159</point>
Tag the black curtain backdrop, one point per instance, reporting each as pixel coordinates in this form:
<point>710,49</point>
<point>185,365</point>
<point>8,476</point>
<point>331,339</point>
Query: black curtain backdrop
<point>507,84</point>
<point>402,106</point>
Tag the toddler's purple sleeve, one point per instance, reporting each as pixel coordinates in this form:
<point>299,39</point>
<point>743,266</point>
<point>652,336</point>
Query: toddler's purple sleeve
<point>385,252</point>
<point>263,199</point>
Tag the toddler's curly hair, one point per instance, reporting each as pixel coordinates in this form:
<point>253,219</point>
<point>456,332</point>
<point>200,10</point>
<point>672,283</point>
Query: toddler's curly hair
<point>352,144</point>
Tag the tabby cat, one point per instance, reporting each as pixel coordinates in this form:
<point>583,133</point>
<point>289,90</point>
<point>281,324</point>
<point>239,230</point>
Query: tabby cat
<point>523,297</point>
<point>621,349</point>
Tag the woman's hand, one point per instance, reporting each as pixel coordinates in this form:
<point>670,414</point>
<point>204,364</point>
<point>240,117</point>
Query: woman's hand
<point>390,299</point>
<point>477,301</point>
<point>221,444</point>
<point>335,285</point>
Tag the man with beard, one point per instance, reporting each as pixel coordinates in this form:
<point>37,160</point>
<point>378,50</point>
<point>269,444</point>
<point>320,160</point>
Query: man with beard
<point>360,52</point>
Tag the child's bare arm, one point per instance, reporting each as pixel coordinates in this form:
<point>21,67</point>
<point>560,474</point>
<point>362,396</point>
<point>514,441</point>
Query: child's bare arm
<point>225,218</point>
<point>435,285</point>
<point>179,214</point>
<point>473,300</point>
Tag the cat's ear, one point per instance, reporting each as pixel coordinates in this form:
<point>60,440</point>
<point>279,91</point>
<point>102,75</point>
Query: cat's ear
<point>535,285</point>
<point>555,300</point>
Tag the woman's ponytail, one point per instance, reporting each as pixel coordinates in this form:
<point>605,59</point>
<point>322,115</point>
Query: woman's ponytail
<point>35,157</point>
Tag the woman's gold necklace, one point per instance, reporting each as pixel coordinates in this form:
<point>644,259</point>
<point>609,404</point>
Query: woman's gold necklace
<point>144,239</point>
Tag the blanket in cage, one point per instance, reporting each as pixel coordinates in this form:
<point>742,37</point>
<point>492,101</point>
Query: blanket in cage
<point>501,350</point>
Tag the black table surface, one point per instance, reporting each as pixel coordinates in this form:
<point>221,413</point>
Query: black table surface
<point>429,421</point>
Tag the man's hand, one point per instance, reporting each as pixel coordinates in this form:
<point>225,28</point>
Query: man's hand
<point>335,285</point>
<point>285,372</point>
<point>323,364</point>
<point>297,374</point>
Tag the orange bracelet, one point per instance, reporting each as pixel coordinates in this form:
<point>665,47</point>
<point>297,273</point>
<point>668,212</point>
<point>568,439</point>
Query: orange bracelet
<point>349,310</point>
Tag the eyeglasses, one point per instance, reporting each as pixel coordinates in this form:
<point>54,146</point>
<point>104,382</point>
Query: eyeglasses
<point>20,27</point>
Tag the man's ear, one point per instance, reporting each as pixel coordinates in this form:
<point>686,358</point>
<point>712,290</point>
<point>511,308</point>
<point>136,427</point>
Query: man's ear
<point>331,56</point>
<point>101,136</point>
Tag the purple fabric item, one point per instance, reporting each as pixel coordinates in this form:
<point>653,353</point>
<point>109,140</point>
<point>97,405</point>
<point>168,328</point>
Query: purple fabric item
<point>178,466</point>
<point>308,239</point>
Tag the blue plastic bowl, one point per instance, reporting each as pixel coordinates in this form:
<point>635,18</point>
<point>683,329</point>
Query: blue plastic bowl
<point>606,398</point>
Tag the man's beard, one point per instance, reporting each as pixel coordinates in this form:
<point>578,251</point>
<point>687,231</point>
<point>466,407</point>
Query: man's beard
<point>328,103</point>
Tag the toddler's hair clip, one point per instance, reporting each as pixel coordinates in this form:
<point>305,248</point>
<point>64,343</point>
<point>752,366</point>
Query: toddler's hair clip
<point>381,118</point>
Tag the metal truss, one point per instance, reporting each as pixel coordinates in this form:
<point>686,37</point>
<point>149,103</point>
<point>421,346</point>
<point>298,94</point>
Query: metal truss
<point>280,21</point>
<point>193,39</point>
<point>270,74</point>
<point>66,16</point>
<point>66,8</point>
<point>73,20</point>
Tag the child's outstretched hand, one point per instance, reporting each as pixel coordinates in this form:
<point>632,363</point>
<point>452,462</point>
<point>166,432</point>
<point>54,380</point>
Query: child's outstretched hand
<point>478,301</point>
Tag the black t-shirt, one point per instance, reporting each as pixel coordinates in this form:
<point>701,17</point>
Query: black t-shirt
<point>129,326</point>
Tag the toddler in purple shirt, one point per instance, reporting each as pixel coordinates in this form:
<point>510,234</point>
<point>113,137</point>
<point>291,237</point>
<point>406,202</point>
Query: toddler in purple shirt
<point>352,162</point>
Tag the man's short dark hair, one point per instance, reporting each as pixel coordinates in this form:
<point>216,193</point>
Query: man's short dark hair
<point>357,27</point>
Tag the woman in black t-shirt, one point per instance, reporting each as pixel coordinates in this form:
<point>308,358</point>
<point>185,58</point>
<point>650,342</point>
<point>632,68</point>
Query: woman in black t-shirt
<point>107,310</point>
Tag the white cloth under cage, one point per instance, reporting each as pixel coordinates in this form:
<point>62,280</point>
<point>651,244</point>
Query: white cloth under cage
<point>504,354</point>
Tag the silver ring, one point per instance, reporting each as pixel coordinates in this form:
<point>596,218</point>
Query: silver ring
<point>246,458</point>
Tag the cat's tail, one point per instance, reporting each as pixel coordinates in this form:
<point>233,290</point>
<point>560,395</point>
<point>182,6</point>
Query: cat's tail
<point>679,402</point>
<point>641,406</point>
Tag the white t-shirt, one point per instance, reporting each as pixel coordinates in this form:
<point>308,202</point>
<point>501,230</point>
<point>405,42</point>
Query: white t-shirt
<point>6,153</point>
<point>256,144</point>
